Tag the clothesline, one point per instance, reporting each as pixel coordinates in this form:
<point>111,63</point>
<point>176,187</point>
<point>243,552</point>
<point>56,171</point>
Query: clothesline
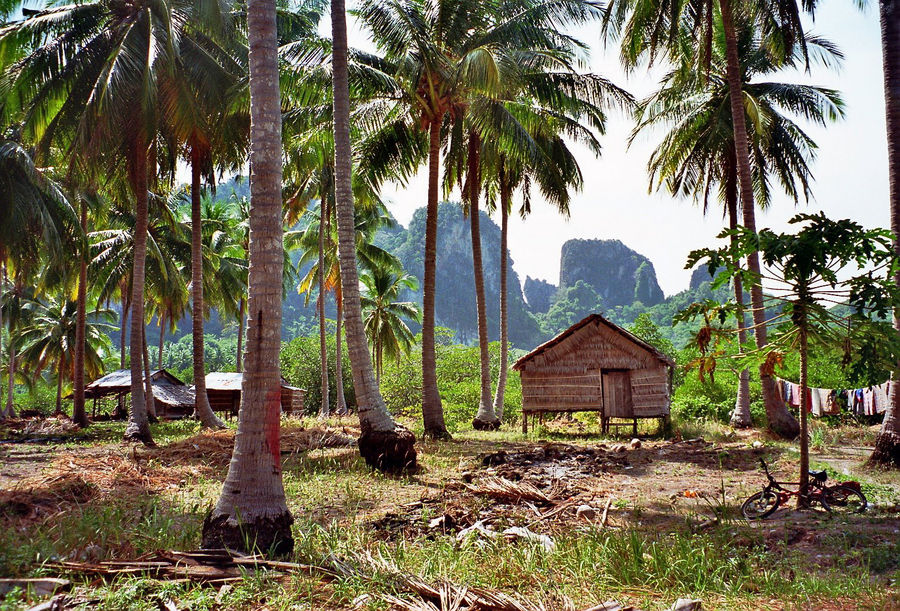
<point>827,401</point>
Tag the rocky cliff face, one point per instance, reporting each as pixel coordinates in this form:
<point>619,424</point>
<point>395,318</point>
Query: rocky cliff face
<point>455,290</point>
<point>698,277</point>
<point>539,294</point>
<point>618,274</point>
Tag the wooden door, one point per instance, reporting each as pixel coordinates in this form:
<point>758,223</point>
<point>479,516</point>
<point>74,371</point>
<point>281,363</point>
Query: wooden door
<point>617,395</point>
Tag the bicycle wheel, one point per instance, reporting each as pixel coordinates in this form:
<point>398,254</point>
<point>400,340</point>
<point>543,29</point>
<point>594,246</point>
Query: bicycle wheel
<point>843,499</point>
<point>760,505</point>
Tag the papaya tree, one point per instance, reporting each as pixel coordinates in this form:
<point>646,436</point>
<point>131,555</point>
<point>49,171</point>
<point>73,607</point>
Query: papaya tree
<point>828,285</point>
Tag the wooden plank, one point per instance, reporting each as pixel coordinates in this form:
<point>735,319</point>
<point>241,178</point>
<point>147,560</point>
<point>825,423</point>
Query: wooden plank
<point>36,586</point>
<point>559,408</point>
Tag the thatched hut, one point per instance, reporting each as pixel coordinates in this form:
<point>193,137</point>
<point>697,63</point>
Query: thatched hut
<point>223,389</point>
<point>172,397</point>
<point>596,366</point>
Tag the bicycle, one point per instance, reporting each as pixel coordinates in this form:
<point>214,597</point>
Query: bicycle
<point>842,498</point>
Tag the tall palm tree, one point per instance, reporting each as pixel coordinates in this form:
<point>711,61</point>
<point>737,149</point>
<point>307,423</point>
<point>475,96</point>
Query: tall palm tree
<point>887,444</point>
<point>424,44</point>
<point>48,341</point>
<point>697,153</point>
<point>252,511</point>
<point>653,28</point>
<point>200,96</point>
<point>383,443</point>
<point>544,75</point>
<point>90,87</point>
<point>386,329</point>
<point>35,217</point>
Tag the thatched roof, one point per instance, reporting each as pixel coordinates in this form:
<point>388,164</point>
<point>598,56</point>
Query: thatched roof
<point>119,381</point>
<point>595,319</point>
<point>230,381</point>
<point>173,396</point>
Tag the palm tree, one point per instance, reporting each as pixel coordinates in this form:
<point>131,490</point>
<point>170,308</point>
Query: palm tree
<point>438,57</point>
<point>199,99</point>
<point>424,43</point>
<point>654,28</point>
<point>383,443</point>
<point>101,113</point>
<point>887,444</point>
<point>13,305</point>
<point>48,341</point>
<point>384,315</point>
<point>252,511</point>
<point>539,89</point>
<point>698,151</point>
<point>35,217</point>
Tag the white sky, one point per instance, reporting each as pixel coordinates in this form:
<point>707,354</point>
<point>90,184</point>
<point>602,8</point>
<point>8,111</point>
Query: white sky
<point>851,168</point>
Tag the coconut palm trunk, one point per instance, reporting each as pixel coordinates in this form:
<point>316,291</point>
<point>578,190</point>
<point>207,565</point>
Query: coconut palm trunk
<point>500,396</point>
<point>887,444</point>
<point>121,410</point>
<point>79,414</point>
<point>3,414</point>
<point>780,419</point>
<point>11,383</point>
<point>432,410</point>
<point>202,409</point>
<point>162,340</point>
<point>384,444</point>
<point>325,406</point>
<point>138,428</point>
<point>740,418</point>
<point>10,409</point>
<point>340,407</point>
<point>59,383</point>
<point>239,354</point>
<point>485,418</point>
<point>252,513</point>
<point>148,383</point>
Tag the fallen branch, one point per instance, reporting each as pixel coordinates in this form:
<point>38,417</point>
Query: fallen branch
<point>605,515</point>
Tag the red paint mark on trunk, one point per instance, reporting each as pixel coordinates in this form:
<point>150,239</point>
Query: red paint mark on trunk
<point>273,425</point>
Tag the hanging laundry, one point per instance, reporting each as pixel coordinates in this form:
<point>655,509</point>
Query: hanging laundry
<point>881,398</point>
<point>795,394</point>
<point>815,400</point>
<point>858,402</point>
<point>869,401</point>
<point>832,403</point>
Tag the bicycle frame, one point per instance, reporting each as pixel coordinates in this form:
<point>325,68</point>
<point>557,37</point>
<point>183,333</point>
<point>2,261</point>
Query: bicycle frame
<point>816,488</point>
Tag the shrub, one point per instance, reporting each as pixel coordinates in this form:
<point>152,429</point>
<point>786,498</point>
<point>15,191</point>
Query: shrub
<point>301,366</point>
<point>711,399</point>
<point>458,371</point>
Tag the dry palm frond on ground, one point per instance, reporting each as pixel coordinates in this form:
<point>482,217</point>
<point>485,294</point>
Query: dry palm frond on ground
<point>504,489</point>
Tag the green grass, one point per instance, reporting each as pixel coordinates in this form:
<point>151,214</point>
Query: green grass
<point>335,499</point>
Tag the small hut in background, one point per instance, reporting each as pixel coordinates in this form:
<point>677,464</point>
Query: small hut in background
<point>223,389</point>
<point>596,366</point>
<point>172,397</point>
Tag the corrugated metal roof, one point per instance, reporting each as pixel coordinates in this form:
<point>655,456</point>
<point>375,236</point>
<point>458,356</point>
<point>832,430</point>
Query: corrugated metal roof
<point>222,380</point>
<point>226,380</point>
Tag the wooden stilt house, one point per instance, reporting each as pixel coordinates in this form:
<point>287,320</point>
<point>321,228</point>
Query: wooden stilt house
<point>596,366</point>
